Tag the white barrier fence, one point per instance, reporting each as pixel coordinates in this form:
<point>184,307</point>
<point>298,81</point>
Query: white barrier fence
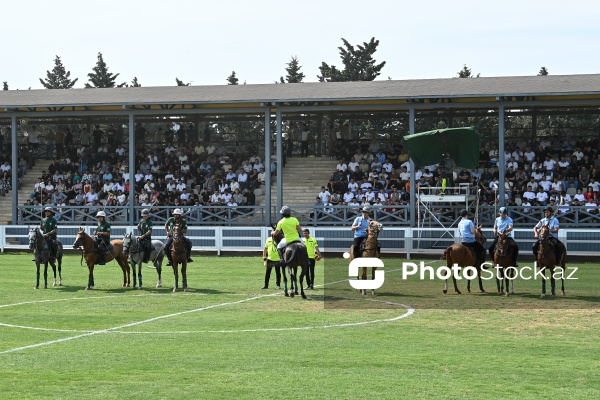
<point>412,241</point>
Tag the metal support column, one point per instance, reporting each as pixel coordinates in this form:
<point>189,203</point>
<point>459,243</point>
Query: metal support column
<point>131,163</point>
<point>15,168</point>
<point>267,157</point>
<point>279,161</point>
<point>501,159</point>
<point>413,198</point>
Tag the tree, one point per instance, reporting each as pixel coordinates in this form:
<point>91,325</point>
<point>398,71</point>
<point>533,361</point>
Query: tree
<point>359,64</point>
<point>5,86</point>
<point>135,83</point>
<point>232,79</point>
<point>293,72</point>
<point>180,82</point>
<point>101,78</point>
<point>465,72</point>
<point>543,71</point>
<point>59,77</point>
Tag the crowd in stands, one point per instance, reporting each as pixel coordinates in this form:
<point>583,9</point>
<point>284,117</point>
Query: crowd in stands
<point>177,172</point>
<point>537,173</point>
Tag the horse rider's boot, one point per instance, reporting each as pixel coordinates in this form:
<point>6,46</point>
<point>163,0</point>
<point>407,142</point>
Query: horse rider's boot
<point>101,258</point>
<point>53,252</point>
<point>146,256</point>
<point>170,262</point>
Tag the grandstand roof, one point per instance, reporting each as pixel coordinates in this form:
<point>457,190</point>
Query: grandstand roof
<point>389,92</point>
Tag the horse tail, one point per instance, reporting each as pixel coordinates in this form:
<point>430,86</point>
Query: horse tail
<point>292,258</point>
<point>448,256</point>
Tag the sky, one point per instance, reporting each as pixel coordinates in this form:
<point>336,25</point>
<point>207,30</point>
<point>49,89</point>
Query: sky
<point>202,42</point>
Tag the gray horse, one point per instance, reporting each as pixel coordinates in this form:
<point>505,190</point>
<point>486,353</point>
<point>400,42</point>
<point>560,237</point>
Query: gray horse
<point>41,252</point>
<point>132,248</point>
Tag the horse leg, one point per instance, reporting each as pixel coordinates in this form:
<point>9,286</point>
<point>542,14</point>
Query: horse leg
<point>293,282</point>
<point>552,282</point>
<point>139,276</point>
<point>158,266</point>
<point>285,287</point>
<point>184,275</point>
<point>59,262</point>
<point>543,271</point>
<point>37,273</point>
<point>176,272</point>
<point>363,277</point>
<point>563,264</point>
<point>373,278</point>
<point>90,277</point>
<point>480,282</point>
<point>456,287</point>
<point>53,265</point>
<point>46,275</point>
<point>446,286</point>
<point>506,279</point>
<point>303,273</point>
<point>468,285</point>
<point>133,267</point>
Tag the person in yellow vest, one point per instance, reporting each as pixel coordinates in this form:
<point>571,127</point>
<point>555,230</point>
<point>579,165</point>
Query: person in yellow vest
<point>271,259</point>
<point>314,255</point>
<point>290,227</point>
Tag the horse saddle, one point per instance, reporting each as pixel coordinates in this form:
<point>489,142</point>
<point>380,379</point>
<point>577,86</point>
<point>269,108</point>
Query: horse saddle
<point>363,246</point>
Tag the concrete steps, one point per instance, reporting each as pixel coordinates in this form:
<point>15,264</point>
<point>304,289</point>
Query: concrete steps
<point>27,185</point>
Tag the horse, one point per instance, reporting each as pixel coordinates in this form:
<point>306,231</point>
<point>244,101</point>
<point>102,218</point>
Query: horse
<point>462,256</point>
<point>90,254</point>
<point>135,252</point>
<point>295,255</point>
<point>370,249</point>
<point>546,259</point>
<point>179,256</point>
<point>37,243</point>
<point>503,258</point>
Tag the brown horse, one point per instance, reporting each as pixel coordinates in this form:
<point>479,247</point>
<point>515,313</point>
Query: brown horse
<point>371,249</point>
<point>90,254</point>
<point>546,260</point>
<point>503,258</point>
<point>462,256</point>
<point>179,256</point>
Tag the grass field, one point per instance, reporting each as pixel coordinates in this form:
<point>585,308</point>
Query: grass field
<point>227,338</point>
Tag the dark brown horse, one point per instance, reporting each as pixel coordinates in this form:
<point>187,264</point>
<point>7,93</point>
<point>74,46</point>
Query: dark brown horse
<point>462,256</point>
<point>179,256</point>
<point>546,260</point>
<point>295,255</point>
<point>90,254</point>
<point>371,249</point>
<point>37,243</point>
<point>503,262</point>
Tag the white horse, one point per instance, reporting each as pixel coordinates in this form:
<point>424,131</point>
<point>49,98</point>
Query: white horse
<point>132,248</point>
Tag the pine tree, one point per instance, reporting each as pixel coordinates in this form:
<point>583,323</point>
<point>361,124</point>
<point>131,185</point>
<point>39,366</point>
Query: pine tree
<point>465,72</point>
<point>232,79</point>
<point>135,83</point>
<point>180,82</point>
<point>293,72</point>
<point>543,71</point>
<point>100,77</point>
<point>359,64</point>
<point>59,77</point>
<point>5,86</point>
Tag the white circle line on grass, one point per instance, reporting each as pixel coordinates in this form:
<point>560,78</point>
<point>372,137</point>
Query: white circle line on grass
<point>409,312</point>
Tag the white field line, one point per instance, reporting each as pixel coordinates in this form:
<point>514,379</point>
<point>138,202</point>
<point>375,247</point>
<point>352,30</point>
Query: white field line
<point>116,328</point>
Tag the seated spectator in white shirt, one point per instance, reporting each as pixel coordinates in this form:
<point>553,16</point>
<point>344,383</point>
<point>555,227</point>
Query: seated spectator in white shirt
<point>181,185</point>
<point>529,194</point>
<point>542,197</point>
<point>366,184</point>
<point>341,165</point>
<point>353,164</point>
<point>544,184</point>
<point>348,196</point>
<point>353,186</point>
<point>324,195</point>
<point>184,195</point>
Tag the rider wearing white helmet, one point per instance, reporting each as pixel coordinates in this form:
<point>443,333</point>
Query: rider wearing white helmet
<point>290,226</point>
<point>504,224</point>
<point>177,220</point>
<point>102,233</point>
<point>145,231</point>
<point>359,226</point>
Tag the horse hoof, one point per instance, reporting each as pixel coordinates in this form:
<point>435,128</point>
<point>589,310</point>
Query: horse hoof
<point>45,286</point>
<point>373,293</point>
<point>54,284</point>
<point>458,292</point>
<point>482,291</point>
<point>507,294</point>
<point>174,290</point>
<point>553,294</point>
<point>445,291</point>
<point>140,287</point>
<point>542,296</point>
<point>287,294</point>
<point>88,288</point>
<point>304,296</point>
<point>185,289</point>
<point>500,293</point>
<point>158,285</point>
<point>36,287</point>
<point>564,293</point>
<point>469,290</point>
<point>292,294</point>
<point>60,283</point>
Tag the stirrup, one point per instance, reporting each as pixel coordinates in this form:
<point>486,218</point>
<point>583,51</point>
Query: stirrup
<point>189,259</point>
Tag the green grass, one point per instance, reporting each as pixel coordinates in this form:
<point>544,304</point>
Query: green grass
<point>472,346</point>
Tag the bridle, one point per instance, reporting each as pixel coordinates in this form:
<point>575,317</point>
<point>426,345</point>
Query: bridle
<point>36,240</point>
<point>131,244</point>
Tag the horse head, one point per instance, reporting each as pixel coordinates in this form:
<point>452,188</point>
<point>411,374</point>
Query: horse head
<point>127,243</point>
<point>502,246</point>
<point>177,235</point>
<point>34,237</point>
<point>276,237</point>
<point>79,239</point>
<point>544,233</point>
<point>375,227</point>
<point>479,236</point>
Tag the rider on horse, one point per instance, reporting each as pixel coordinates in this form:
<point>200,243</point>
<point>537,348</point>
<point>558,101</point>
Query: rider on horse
<point>49,228</point>
<point>102,234</point>
<point>291,230</point>
<point>467,231</point>
<point>145,231</point>
<point>360,226</point>
<point>504,224</point>
<point>553,224</point>
<point>177,220</point>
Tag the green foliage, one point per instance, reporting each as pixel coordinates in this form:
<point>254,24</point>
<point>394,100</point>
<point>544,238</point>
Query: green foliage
<point>5,85</point>
<point>135,83</point>
<point>543,71</point>
<point>359,64</point>
<point>465,72</point>
<point>100,77</point>
<point>293,72</point>
<point>232,79</point>
<point>59,77</point>
<point>180,82</point>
